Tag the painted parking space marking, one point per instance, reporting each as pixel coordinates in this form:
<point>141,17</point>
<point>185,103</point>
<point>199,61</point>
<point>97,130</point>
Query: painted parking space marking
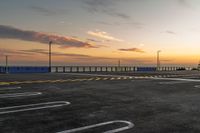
<point>116,77</point>
<point>4,83</point>
<point>10,88</point>
<point>97,78</point>
<point>30,107</point>
<point>105,78</point>
<point>112,78</point>
<point>178,79</point>
<point>90,79</point>
<point>125,77</point>
<point>25,94</point>
<point>197,86</point>
<point>99,75</point>
<point>129,126</point>
<point>172,82</point>
<point>139,77</point>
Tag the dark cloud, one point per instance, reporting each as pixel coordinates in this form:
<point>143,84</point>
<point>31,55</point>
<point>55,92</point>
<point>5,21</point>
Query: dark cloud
<point>104,23</point>
<point>31,52</point>
<point>184,3</point>
<point>41,51</point>
<point>104,6</point>
<point>43,10</point>
<point>13,52</point>
<point>8,32</point>
<point>132,50</point>
<point>167,60</point>
<point>135,24</point>
<point>93,40</point>
<point>170,32</point>
<point>98,3</point>
<point>47,11</point>
<point>45,52</point>
<point>114,13</point>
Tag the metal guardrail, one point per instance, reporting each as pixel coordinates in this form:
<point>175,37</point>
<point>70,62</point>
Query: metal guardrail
<point>64,69</point>
<point>91,69</point>
<point>70,69</point>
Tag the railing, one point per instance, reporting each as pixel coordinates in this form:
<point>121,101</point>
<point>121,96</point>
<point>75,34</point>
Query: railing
<point>65,69</point>
<point>24,69</point>
<point>71,69</point>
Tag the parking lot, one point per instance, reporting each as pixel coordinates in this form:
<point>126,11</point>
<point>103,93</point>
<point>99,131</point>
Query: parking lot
<point>154,102</point>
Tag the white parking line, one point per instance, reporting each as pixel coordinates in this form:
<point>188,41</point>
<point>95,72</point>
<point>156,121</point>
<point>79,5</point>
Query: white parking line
<point>178,79</point>
<point>197,86</point>
<point>90,79</point>
<point>4,83</point>
<point>97,78</point>
<point>10,88</point>
<point>112,78</point>
<point>172,82</point>
<point>25,94</point>
<point>129,125</point>
<point>99,75</point>
<point>29,107</point>
<point>125,77</point>
<point>105,78</point>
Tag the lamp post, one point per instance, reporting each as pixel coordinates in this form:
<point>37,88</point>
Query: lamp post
<point>6,64</point>
<point>119,63</point>
<point>158,59</point>
<point>50,56</point>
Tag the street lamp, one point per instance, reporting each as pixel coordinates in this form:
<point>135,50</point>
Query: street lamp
<point>158,59</point>
<point>119,63</point>
<point>50,56</point>
<point>6,64</point>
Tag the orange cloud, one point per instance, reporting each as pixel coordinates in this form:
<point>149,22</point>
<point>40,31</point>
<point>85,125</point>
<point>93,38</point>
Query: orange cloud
<point>8,32</point>
<point>133,50</point>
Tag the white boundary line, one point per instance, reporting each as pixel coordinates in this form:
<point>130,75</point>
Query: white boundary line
<point>29,107</point>
<point>129,125</point>
<point>25,94</point>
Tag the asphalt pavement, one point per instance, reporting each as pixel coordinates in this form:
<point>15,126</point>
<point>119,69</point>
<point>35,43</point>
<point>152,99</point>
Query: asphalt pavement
<point>145,102</point>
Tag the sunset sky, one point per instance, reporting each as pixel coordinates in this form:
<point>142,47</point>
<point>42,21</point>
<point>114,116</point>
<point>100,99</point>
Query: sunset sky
<point>100,32</point>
